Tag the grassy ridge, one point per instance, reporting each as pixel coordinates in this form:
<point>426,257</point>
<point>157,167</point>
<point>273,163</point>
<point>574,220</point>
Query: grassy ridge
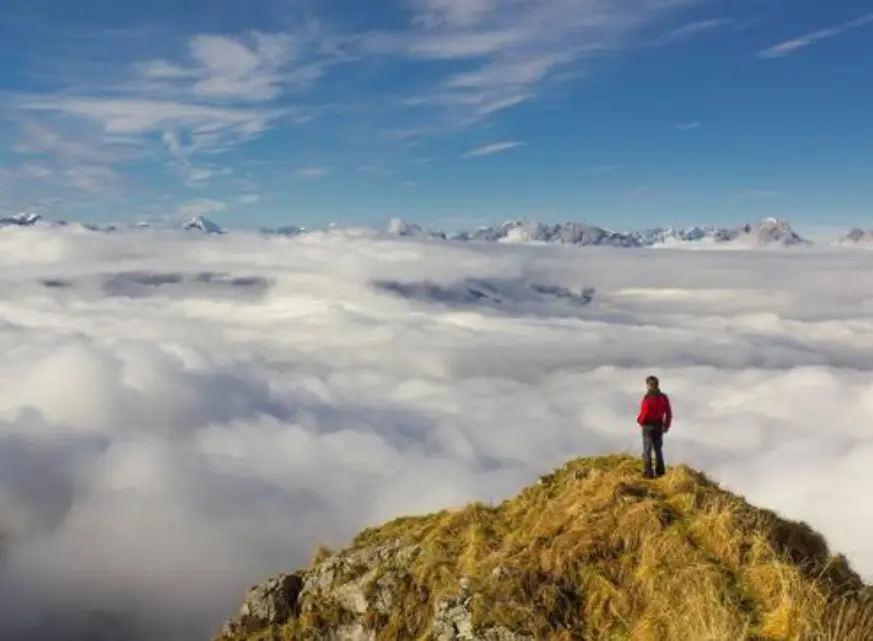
<point>595,552</point>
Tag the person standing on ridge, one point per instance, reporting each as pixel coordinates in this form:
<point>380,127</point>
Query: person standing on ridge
<point>654,418</point>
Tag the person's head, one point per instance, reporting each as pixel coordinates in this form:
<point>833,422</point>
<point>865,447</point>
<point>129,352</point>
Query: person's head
<point>652,382</point>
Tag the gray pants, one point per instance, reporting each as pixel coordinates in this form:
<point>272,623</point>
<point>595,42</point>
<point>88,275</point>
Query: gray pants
<point>653,440</point>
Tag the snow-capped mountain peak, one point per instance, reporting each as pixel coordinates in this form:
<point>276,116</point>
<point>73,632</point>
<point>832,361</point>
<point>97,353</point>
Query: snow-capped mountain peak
<point>399,227</point>
<point>203,224</point>
<point>856,236</point>
<point>22,219</point>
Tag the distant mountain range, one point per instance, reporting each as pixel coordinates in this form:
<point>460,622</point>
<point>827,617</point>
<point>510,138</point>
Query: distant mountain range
<point>763,233</point>
<point>768,231</point>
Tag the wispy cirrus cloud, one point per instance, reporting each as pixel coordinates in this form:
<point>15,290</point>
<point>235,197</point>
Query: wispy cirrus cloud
<point>255,67</point>
<point>689,126</point>
<point>119,126</point>
<point>139,116</point>
<point>694,28</point>
<point>69,146</point>
<point>492,148</point>
<point>201,207</point>
<point>801,42</point>
<point>36,171</point>
<point>311,173</point>
<point>185,100</point>
<point>92,178</point>
<point>82,160</point>
<point>691,29</point>
<point>516,49</point>
<point>223,93</point>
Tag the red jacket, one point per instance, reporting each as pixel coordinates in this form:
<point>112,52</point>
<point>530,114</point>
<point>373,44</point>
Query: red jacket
<point>655,410</point>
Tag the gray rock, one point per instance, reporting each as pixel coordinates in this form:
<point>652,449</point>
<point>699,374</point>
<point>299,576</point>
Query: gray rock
<point>271,603</point>
<point>352,632</point>
<point>453,620</point>
<point>365,581</point>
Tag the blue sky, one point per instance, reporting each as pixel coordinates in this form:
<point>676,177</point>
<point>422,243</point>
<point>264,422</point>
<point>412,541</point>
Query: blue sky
<point>624,113</point>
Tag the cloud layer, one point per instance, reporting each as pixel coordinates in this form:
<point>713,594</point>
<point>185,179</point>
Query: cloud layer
<point>182,416</point>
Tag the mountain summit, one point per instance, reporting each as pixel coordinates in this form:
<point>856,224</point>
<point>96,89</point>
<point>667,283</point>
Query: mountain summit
<point>589,552</point>
<point>201,223</point>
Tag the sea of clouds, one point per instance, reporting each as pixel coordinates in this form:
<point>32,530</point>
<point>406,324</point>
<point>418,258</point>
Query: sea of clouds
<point>182,416</point>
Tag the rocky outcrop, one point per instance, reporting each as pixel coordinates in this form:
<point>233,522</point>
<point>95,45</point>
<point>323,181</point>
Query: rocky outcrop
<point>271,603</point>
<point>353,593</point>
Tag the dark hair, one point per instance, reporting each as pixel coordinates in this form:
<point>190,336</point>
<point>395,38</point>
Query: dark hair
<point>653,381</point>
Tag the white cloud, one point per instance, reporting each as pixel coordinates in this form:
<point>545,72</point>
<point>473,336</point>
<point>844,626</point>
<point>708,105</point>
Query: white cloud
<point>249,199</point>
<point>501,104</point>
<point>227,68</point>
<point>492,148</point>
<point>688,126</point>
<point>135,116</point>
<point>795,44</point>
<point>251,67</point>
<point>196,176</point>
<point>186,106</point>
<point>164,446</point>
<point>455,13</point>
<point>35,171</point>
<point>73,147</point>
<point>93,178</point>
<point>311,173</point>
<point>518,48</point>
<point>693,28</point>
<point>201,207</point>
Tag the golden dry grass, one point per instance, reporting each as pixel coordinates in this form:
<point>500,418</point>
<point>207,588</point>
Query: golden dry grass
<point>594,552</point>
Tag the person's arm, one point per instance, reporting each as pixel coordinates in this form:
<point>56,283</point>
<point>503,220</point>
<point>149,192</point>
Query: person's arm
<point>668,413</point>
<point>643,410</point>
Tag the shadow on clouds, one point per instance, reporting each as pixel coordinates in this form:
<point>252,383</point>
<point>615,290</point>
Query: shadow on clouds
<point>510,296</point>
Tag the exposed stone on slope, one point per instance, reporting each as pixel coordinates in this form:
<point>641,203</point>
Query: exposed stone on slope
<point>266,604</point>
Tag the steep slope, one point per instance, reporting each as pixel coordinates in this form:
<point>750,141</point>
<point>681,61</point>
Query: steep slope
<point>590,552</point>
